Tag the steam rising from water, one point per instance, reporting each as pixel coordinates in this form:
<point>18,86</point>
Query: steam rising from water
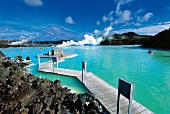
<point>89,39</point>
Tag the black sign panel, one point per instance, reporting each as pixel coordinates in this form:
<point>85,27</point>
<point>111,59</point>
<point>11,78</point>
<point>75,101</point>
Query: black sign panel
<point>54,59</point>
<point>83,65</point>
<point>125,88</point>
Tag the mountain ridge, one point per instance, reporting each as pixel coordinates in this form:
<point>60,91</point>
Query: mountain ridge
<point>129,38</point>
<point>160,40</point>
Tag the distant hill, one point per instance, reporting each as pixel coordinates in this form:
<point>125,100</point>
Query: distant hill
<point>3,43</point>
<point>130,34</point>
<point>129,38</point>
<point>6,43</point>
<point>51,42</point>
<point>160,40</point>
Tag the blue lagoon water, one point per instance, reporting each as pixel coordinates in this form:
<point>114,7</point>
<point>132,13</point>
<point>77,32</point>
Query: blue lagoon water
<point>149,73</point>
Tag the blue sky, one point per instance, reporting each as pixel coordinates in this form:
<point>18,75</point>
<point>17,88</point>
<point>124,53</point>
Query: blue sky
<point>71,19</point>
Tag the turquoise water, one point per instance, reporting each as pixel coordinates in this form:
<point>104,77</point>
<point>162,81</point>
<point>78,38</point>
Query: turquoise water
<point>72,83</point>
<point>149,73</point>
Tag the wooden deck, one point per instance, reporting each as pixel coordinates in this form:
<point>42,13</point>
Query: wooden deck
<point>67,55</point>
<point>46,56</point>
<point>104,92</point>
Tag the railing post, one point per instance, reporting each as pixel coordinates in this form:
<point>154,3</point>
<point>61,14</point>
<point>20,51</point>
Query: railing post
<point>84,72</point>
<point>38,60</point>
<point>130,100</point>
<point>57,62</point>
<point>55,59</point>
<point>53,66</point>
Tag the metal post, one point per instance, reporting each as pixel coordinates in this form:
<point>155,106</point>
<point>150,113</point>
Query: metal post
<point>130,100</point>
<point>57,62</point>
<point>53,66</point>
<point>118,97</point>
<point>83,72</point>
<point>38,60</point>
<point>48,56</point>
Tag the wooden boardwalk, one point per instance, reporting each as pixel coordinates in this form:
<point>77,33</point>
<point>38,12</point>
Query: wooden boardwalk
<point>67,55</point>
<point>104,92</point>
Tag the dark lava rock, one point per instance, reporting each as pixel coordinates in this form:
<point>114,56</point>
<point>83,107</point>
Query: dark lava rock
<point>28,58</point>
<point>83,103</point>
<point>20,58</point>
<point>24,93</point>
<point>1,55</point>
<point>7,64</point>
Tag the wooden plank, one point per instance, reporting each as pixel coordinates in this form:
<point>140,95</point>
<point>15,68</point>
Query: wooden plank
<point>68,55</point>
<point>122,105</point>
<point>109,93</point>
<point>114,104</point>
<point>104,92</point>
<point>146,112</point>
<point>102,88</point>
<point>106,99</point>
<point>125,109</point>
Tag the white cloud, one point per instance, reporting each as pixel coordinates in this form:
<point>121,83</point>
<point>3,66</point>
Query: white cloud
<point>149,30</point>
<point>168,22</point>
<point>146,17</point>
<point>123,1</point>
<point>124,17</point>
<point>139,11</point>
<point>108,17</point>
<point>118,12</point>
<point>127,1</point>
<point>105,18</point>
<point>137,24</point>
<point>69,20</point>
<point>54,29</point>
<point>112,23</point>
<point>139,19</point>
<point>111,13</point>
<point>121,16</point>
<point>34,2</point>
<point>51,32</point>
<point>119,3</point>
<point>98,23</point>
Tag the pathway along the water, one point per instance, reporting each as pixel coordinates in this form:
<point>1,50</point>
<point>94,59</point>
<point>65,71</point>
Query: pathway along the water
<point>104,92</point>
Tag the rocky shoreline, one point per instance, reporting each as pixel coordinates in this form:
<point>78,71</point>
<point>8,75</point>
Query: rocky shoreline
<point>23,93</point>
